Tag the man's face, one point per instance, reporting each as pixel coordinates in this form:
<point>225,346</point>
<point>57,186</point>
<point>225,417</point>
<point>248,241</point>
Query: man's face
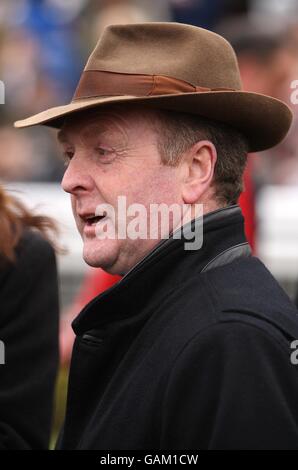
<point>108,154</point>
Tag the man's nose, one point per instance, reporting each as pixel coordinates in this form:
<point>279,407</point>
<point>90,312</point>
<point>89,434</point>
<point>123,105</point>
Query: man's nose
<point>76,177</point>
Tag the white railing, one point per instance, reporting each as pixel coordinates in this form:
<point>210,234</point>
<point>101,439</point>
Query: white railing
<point>277,237</point>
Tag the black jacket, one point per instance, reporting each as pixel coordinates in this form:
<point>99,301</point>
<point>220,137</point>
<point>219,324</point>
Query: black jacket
<point>190,350</point>
<point>29,330</point>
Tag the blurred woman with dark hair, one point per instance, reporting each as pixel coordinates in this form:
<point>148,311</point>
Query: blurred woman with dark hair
<point>28,326</point>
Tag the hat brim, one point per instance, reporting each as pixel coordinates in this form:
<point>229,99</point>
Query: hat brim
<point>264,120</point>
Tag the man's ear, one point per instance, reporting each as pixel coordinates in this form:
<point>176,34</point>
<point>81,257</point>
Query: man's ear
<point>199,163</point>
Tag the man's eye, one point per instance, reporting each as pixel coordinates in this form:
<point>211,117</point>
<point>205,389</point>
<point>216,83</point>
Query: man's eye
<point>67,156</point>
<point>103,151</point>
<point>105,154</point>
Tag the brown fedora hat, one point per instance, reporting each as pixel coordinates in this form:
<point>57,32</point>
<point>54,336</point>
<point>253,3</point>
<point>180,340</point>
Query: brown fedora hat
<point>176,67</point>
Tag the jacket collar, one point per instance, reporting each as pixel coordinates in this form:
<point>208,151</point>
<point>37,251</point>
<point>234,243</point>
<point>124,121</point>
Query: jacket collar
<point>166,266</point>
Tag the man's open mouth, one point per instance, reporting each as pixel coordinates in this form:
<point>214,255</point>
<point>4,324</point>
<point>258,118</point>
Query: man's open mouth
<point>92,219</point>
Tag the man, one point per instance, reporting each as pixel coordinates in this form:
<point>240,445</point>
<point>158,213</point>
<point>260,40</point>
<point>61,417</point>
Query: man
<point>191,349</point>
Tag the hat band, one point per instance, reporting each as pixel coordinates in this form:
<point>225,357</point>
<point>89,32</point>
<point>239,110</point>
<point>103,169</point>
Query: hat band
<point>94,83</point>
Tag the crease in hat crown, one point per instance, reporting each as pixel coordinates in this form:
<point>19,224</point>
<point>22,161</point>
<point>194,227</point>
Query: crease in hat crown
<point>195,70</point>
<point>154,49</point>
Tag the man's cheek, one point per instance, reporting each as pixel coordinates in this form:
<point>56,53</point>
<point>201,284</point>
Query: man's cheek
<point>72,201</point>
<point>79,226</point>
<point>78,222</point>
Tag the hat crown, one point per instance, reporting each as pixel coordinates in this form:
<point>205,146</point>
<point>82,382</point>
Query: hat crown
<point>176,67</point>
<point>176,50</point>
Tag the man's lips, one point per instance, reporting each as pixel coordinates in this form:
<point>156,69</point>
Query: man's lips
<point>89,218</point>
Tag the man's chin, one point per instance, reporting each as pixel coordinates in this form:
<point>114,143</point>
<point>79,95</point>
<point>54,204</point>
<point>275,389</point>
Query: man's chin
<point>104,257</point>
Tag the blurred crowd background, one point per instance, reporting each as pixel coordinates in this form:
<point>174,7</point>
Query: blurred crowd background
<point>44,45</point>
